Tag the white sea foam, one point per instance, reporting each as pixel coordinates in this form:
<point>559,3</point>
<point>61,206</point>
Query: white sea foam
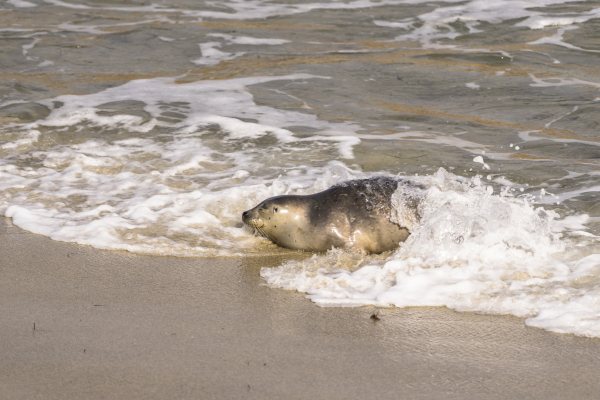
<point>21,3</point>
<point>528,136</point>
<point>428,27</point>
<point>474,249</point>
<point>169,167</point>
<point>403,24</point>
<point>479,160</point>
<point>212,55</point>
<point>248,40</point>
<point>434,26</point>
<point>103,29</point>
<point>236,9</point>
<point>77,6</point>
<point>558,39</point>
<point>559,81</point>
<point>258,9</point>
<point>26,48</point>
<point>437,138</point>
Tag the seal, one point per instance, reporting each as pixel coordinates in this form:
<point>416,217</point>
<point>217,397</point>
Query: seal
<point>352,215</point>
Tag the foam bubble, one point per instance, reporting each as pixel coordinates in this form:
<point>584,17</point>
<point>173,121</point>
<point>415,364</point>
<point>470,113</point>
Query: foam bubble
<point>479,160</point>
<point>211,55</point>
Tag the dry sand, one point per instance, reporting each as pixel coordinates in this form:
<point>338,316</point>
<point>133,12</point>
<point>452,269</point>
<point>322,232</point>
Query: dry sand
<point>111,325</point>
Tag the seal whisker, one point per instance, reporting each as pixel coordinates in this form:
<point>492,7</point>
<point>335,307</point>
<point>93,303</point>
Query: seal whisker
<point>263,233</point>
<point>259,232</point>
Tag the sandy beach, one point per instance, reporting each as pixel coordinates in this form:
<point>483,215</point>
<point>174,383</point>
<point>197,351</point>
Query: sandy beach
<point>81,323</point>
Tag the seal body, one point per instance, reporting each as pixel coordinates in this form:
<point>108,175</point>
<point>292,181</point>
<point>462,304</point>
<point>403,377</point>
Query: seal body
<point>352,215</point>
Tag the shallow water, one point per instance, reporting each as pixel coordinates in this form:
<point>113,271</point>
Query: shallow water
<point>149,126</point>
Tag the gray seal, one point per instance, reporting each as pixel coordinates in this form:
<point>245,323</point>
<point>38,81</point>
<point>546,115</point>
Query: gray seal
<point>355,215</point>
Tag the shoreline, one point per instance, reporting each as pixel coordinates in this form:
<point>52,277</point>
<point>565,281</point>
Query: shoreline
<point>119,325</point>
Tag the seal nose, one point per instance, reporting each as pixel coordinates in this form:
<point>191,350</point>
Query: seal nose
<point>245,216</point>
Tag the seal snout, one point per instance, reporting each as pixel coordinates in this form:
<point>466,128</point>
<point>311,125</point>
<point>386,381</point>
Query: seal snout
<point>246,217</point>
<point>250,218</point>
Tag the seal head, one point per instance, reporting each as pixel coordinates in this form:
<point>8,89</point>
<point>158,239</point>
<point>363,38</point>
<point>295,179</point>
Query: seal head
<point>284,220</point>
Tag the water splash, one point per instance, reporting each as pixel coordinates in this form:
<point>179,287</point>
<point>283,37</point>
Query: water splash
<point>473,250</point>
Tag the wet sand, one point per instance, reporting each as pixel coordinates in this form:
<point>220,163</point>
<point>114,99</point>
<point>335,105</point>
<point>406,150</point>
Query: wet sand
<point>81,323</point>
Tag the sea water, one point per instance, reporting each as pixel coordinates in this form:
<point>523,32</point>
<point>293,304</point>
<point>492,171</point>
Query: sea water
<point>149,126</point>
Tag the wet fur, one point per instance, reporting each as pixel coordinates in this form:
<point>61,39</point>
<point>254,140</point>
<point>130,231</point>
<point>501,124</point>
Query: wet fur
<point>353,215</point>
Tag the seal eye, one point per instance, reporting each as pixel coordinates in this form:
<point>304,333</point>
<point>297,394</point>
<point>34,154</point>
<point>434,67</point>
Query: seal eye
<point>275,209</point>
